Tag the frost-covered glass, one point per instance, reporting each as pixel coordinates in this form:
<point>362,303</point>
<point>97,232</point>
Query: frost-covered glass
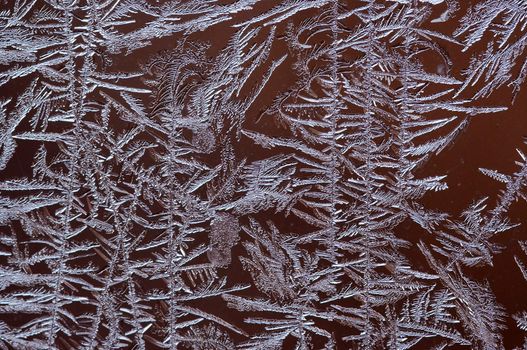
<point>272,174</point>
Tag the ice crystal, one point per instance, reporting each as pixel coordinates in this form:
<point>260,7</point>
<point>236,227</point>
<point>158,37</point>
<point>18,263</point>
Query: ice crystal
<point>254,174</point>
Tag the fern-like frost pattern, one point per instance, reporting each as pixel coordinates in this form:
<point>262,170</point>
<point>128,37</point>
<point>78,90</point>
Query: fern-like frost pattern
<point>216,175</point>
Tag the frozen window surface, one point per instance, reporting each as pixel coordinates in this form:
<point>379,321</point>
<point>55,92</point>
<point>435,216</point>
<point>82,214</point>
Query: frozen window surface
<point>244,174</point>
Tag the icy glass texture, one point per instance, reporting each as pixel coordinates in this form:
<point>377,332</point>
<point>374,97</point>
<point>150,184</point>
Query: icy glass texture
<point>263,174</point>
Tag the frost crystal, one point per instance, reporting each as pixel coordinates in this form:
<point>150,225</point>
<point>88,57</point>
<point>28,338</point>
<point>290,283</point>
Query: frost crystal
<point>260,175</point>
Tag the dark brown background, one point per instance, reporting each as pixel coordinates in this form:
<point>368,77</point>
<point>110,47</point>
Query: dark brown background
<point>488,142</point>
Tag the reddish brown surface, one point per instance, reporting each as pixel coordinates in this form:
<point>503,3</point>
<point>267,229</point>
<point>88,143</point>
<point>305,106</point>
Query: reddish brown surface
<point>488,142</point>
